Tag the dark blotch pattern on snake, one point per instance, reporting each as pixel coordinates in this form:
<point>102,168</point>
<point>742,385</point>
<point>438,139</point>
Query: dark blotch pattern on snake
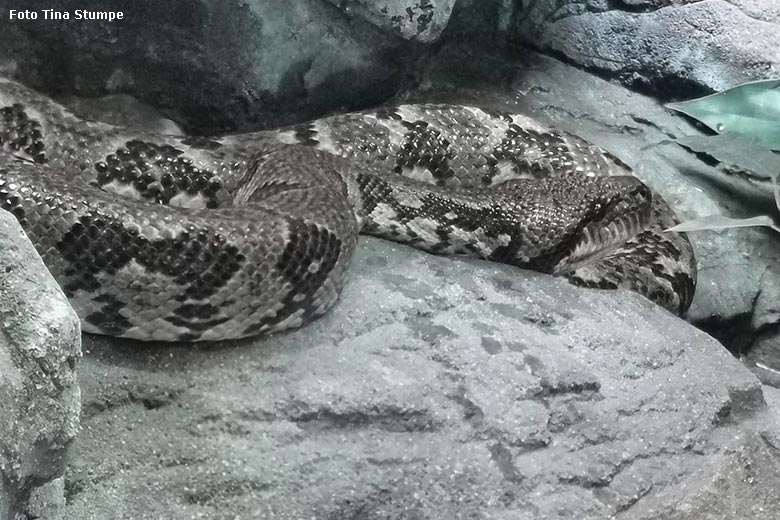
<point>165,238</point>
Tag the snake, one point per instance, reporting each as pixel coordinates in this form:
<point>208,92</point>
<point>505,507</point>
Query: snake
<point>192,238</point>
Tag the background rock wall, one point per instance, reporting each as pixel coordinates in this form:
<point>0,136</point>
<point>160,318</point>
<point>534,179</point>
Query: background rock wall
<point>213,65</point>
<point>671,48</point>
<point>216,66</point>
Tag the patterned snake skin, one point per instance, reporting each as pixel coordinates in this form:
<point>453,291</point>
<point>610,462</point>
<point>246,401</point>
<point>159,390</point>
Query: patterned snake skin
<point>167,238</point>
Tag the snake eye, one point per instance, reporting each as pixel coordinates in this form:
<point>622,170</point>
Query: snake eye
<point>599,211</point>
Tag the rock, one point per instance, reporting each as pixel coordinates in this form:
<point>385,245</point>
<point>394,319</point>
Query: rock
<point>123,110</point>
<point>217,66</point>
<point>437,388</point>
<point>421,20</point>
<point>676,51</point>
<point>731,484</point>
<point>765,10</point>
<point>39,346</point>
<point>48,501</point>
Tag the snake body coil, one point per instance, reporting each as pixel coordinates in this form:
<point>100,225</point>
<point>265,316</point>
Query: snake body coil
<point>169,238</point>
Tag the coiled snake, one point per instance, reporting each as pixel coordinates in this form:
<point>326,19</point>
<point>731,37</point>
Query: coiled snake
<point>173,238</point>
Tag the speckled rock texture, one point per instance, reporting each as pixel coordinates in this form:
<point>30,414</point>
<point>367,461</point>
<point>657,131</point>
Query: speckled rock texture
<point>40,341</point>
<point>674,48</point>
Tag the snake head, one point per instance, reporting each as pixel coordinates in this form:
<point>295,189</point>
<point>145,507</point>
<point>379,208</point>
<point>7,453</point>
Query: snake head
<point>621,211</point>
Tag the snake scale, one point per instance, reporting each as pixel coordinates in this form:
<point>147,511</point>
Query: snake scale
<point>168,238</point>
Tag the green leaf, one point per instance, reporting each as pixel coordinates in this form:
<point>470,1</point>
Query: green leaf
<point>743,167</point>
<point>776,187</point>
<point>718,222</point>
<point>751,110</point>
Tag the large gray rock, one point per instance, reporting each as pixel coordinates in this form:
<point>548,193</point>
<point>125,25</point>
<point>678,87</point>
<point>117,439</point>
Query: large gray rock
<point>436,388</point>
<point>39,396</point>
<point>673,48</point>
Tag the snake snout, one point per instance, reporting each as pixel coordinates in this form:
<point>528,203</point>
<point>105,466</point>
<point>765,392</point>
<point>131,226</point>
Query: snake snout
<point>618,215</point>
